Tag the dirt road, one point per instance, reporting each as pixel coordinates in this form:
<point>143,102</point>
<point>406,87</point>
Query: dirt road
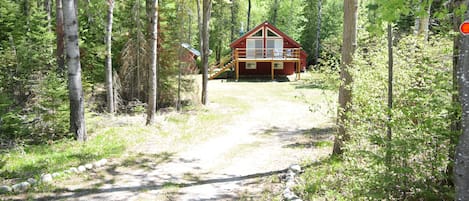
<point>241,161</point>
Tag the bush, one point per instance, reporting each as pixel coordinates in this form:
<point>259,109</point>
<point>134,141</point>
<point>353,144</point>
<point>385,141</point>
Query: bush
<point>51,110</point>
<point>413,165</point>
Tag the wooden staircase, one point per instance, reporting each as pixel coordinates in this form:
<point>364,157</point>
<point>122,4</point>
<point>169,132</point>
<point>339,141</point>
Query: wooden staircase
<point>219,69</point>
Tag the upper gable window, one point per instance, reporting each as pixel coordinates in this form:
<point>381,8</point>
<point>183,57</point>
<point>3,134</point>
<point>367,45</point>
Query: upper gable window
<point>270,33</point>
<point>259,33</point>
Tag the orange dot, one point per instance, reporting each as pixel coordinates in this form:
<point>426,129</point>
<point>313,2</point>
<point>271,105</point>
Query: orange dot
<point>464,28</point>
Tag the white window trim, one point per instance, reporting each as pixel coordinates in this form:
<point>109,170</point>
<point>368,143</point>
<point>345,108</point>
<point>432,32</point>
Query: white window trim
<point>279,67</point>
<point>263,34</point>
<point>267,31</point>
<point>251,68</point>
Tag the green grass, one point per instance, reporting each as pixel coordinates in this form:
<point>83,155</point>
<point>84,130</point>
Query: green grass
<point>320,80</point>
<point>110,137</point>
<point>323,144</point>
<point>31,161</point>
<point>171,185</point>
<point>105,141</point>
<point>322,180</point>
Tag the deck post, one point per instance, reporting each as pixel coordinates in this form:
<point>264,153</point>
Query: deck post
<point>298,70</point>
<point>272,68</point>
<point>236,64</point>
<point>237,70</point>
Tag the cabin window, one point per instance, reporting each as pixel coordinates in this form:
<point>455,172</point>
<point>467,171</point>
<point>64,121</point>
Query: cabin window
<point>254,48</point>
<point>251,65</point>
<point>274,48</point>
<point>259,33</point>
<point>272,34</point>
<point>278,65</point>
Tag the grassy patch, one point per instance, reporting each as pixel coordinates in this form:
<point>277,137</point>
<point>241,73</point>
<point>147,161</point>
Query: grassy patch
<point>322,180</point>
<point>320,80</point>
<point>171,185</point>
<point>28,161</point>
<point>31,161</point>
<point>323,144</point>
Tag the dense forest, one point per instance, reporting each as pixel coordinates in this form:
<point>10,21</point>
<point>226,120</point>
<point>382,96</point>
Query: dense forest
<point>399,67</point>
<point>115,51</point>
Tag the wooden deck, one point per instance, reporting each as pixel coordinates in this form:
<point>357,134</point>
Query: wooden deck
<point>271,55</point>
<point>267,55</point>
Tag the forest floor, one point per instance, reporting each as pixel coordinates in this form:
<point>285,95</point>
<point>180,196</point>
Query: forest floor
<point>251,132</point>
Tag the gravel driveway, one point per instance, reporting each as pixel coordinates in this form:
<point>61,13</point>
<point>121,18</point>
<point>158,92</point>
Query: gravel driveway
<point>242,161</point>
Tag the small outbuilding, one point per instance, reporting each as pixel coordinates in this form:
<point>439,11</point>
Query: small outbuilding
<point>189,56</point>
<point>265,50</point>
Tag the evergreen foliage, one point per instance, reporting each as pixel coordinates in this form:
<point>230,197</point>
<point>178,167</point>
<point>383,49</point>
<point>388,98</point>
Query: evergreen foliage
<point>34,105</point>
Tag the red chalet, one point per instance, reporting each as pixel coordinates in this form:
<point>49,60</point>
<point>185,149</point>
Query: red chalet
<point>265,50</point>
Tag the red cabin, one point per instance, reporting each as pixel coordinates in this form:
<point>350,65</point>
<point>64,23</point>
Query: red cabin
<point>265,50</point>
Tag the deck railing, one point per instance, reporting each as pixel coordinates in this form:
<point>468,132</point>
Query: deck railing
<point>267,53</point>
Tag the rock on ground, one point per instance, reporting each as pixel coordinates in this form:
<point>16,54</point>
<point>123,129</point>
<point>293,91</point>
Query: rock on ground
<point>46,178</point>
<point>5,189</point>
<point>81,168</point>
<point>21,187</point>
<point>31,181</point>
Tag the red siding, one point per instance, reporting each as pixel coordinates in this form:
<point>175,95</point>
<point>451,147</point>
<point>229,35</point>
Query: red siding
<point>264,68</point>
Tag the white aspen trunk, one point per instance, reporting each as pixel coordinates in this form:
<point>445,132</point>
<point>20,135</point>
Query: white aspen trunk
<point>151,110</point>
<point>461,162</point>
<point>425,20</point>
<point>75,90</point>
<point>109,87</point>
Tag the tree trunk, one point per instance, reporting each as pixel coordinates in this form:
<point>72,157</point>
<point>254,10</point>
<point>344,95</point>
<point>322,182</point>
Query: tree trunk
<point>274,14</point>
<point>137,75</point>
<point>48,9</point>
<point>75,6</point>
<point>345,91</point>
<point>153,63</point>
<point>75,90</point>
<point>59,30</point>
<point>89,14</point>
<point>207,6</point>
<point>390,98</point>
<point>424,21</point>
<point>455,120</point>
<point>461,162</point>
<point>218,52</point>
<point>249,16</point>
<point>27,14</point>
<point>234,11</point>
<point>189,27</point>
<point>317,49</point>
<point>199,25</point>
<point>109,88</point>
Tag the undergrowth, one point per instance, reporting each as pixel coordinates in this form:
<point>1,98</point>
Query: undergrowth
<point>414,163</point>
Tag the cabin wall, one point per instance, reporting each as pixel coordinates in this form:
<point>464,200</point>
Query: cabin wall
<point>287,44</point>
<point>264,68</point>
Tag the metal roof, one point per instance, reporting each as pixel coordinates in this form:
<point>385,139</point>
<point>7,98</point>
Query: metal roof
<point>191,49</point>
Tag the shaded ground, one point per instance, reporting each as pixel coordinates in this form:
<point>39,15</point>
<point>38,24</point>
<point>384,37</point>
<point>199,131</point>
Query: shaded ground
<point>240,160</point>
